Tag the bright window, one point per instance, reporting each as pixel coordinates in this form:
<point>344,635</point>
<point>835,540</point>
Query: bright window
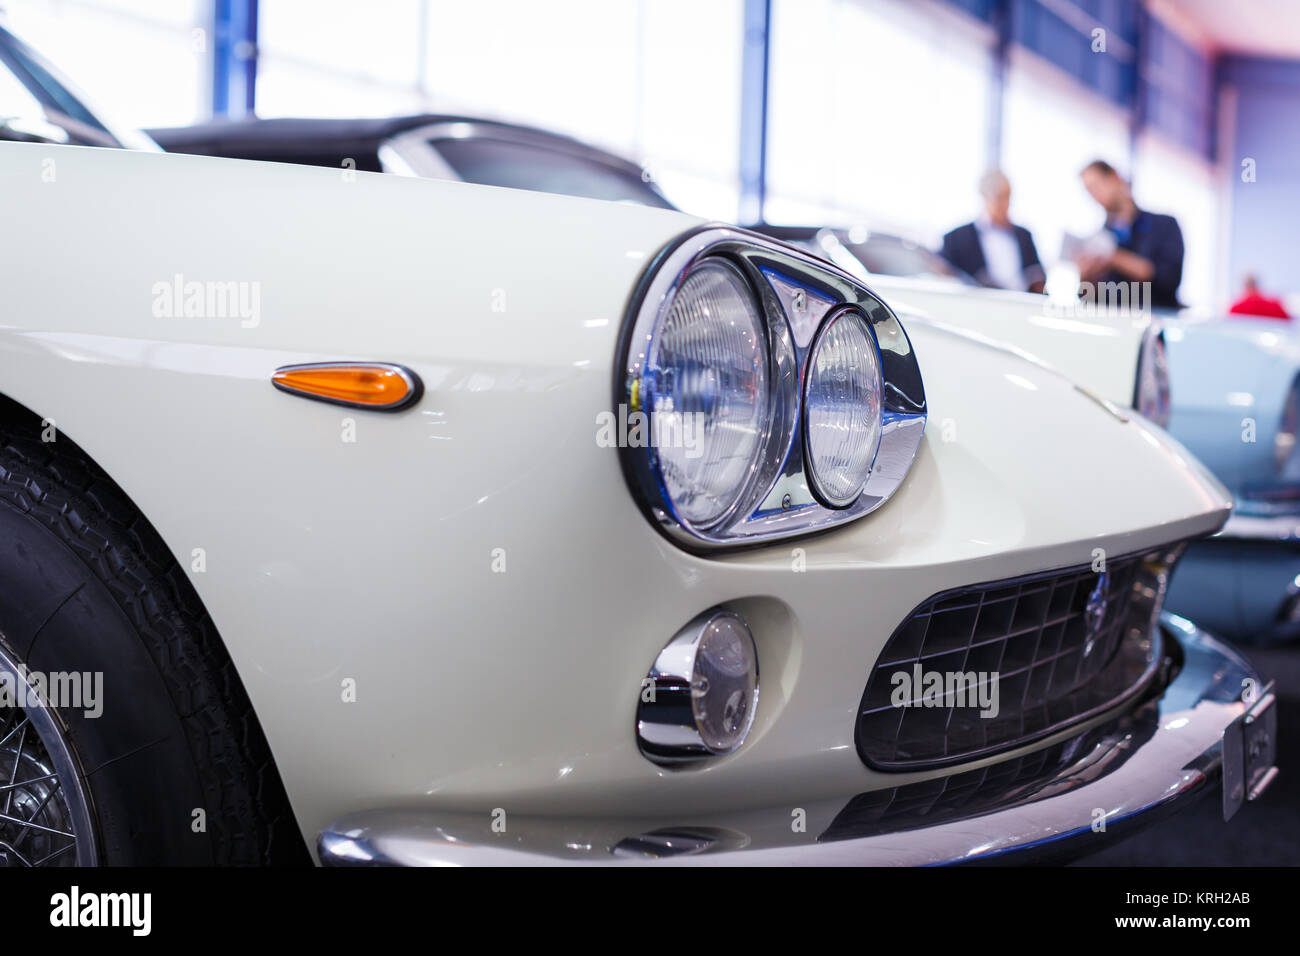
<point>655,81</point>
<point>1052,128</point>
<point>878,115</point>
<point>1174,180</point>
<point>142,62</point>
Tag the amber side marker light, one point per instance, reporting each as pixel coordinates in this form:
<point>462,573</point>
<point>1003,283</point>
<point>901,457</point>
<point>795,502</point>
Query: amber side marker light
<point>375,385</point>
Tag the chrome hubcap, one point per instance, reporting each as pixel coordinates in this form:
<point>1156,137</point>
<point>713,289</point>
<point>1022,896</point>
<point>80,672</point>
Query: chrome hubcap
<point>44,810</point>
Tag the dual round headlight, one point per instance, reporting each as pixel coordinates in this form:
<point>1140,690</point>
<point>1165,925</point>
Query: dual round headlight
<point>712,387</point>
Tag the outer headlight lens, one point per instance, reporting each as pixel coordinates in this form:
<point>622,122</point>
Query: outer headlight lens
<point>707,384</point>
<point>842,411</point>
<point>1153,382</point>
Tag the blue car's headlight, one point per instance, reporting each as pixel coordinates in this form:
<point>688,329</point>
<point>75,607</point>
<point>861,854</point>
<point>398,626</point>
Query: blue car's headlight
<point>1152,400</point>
<point>1284,442</point>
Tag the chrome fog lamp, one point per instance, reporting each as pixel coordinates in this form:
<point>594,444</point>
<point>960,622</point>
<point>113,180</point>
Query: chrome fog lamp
<point>701,694</point>
<point>842,408</point>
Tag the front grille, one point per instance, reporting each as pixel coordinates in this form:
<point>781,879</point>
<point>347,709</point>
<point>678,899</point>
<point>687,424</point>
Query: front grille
<point>1014,781</point>
<point>1056,648</point>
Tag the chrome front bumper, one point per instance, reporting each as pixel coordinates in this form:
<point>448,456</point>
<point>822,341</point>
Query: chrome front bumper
<point>1166,751</point>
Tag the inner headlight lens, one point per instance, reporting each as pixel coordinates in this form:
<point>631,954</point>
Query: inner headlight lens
<point>707,392</point>
<point>1153,383</point>
<point>843,408</point>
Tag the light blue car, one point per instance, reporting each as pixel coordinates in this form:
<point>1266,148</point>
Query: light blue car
<point>1236,406</point>
<point>1233,401</point>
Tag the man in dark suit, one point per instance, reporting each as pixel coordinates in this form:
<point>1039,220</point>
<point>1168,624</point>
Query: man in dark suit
<point>993,249</point>
<point>1148,245</point>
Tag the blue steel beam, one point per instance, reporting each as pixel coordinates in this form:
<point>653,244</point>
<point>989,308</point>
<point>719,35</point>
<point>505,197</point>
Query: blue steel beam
<point>755,60</point>
<point>234,57</point>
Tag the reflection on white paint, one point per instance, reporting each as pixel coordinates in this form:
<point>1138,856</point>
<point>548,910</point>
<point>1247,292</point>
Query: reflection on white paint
<point>1072,325</point>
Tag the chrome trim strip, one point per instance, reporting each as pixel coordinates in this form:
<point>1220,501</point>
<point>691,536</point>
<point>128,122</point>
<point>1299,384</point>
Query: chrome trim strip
<point>414,387</point>
<point>1136,780</point>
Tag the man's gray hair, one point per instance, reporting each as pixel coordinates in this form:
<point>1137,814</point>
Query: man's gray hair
<point>991,182</point>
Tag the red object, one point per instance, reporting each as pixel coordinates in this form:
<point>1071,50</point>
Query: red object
<point>1260,305</point>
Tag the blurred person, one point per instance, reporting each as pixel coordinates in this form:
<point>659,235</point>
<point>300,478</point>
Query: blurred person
<point>992,249</point>
<point>1254,302</point>
<point>1148,245</point>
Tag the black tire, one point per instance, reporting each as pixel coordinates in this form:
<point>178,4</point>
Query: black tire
<point>87,585</point>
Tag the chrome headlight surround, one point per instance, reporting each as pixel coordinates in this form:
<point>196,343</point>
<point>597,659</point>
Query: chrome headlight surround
<point>1151,397</point>
<point>796,293</point>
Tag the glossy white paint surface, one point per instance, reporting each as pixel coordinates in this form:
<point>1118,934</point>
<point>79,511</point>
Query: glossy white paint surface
<point>372,560</point>
<point>1097,350</point>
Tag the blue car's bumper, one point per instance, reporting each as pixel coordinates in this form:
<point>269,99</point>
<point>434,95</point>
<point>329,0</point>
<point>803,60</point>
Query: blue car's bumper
<point>1244,583</point>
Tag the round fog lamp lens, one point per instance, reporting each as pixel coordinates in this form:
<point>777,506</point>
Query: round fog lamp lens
<point>724,684</point>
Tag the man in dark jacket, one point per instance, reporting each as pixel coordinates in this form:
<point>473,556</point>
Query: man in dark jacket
<point>1148,245</point>
<point>993,249</point>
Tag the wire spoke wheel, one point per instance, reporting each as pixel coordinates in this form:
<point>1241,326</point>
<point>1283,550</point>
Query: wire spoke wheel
<point>44,812</point>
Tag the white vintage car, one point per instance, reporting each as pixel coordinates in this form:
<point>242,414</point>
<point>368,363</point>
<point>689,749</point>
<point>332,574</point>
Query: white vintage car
<point>403,521</point>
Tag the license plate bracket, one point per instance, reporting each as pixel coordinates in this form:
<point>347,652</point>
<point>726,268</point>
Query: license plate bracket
<point>1250,753</point>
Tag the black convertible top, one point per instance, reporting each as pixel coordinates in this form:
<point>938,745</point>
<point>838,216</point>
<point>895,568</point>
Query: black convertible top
<point>327,142</point>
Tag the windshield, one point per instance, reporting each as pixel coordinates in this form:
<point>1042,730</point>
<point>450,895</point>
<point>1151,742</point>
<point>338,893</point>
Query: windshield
<point>37,106</point>
<point>891,256</point>
<point>501,162</point>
